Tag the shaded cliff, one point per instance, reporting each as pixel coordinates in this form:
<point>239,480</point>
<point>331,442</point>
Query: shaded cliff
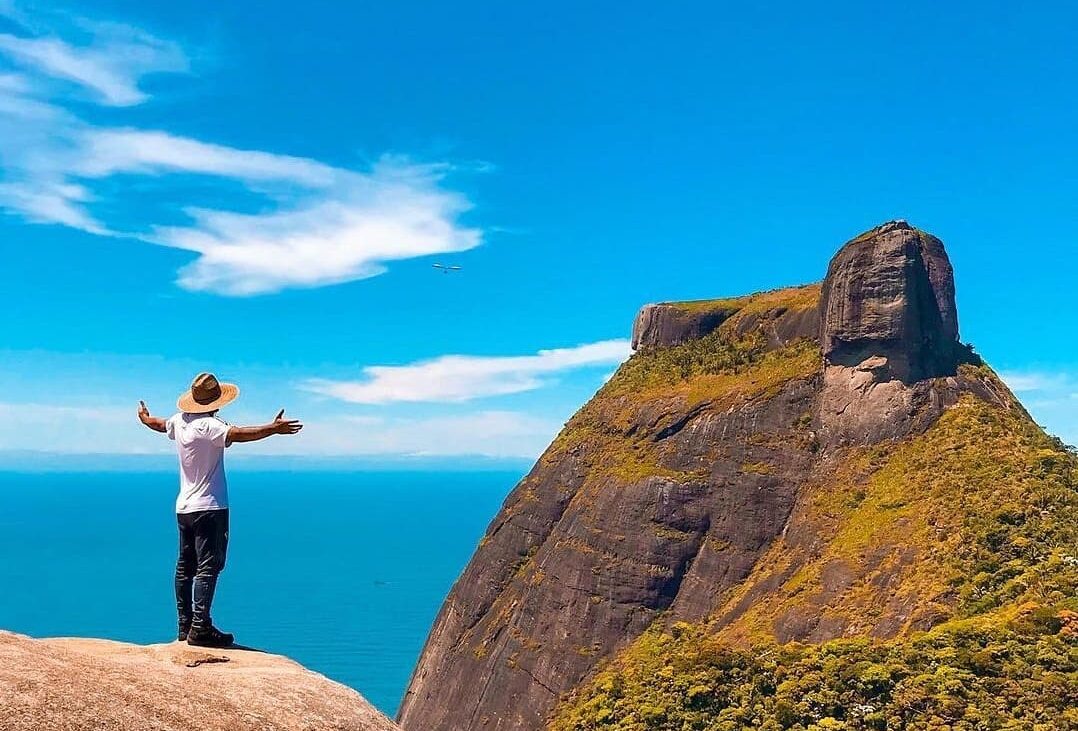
<point>76,684</point>
<point>715,479</point>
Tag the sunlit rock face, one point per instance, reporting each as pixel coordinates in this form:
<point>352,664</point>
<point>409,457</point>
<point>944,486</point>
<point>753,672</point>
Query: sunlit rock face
<point>73,684</point>
<point>664,495</point>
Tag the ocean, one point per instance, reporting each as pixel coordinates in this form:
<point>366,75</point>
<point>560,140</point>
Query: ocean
<point>342,572</point>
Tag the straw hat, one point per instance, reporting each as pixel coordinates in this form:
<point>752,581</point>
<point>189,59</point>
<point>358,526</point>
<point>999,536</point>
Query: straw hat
<point>207,394</point>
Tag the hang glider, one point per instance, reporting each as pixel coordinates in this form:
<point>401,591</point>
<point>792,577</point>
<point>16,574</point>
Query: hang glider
<point>446,268</point>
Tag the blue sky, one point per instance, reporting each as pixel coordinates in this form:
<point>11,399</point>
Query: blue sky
<point>261,189</point>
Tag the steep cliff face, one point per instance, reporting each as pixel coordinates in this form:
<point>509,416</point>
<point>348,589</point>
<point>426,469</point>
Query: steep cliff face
<point>967,530</point>
<point>630,511</point>
<point>701,483</point>
<point>890,294</point>
<point>79,684</point>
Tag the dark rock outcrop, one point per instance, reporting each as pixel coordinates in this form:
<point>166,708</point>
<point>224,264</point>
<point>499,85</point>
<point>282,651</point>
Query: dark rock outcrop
<point>673,323</point>
<point>889,294</point>
<point>664,493</point>
<point>669,324</point>
<point>889,333</point>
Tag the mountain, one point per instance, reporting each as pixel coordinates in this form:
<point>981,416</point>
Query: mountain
<point>80,684</point>
<point>765,477</point>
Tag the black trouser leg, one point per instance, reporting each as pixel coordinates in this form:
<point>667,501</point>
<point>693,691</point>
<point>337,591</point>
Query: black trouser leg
<point>211,544</point>
<point>186,565</point>
<point>204,589</point>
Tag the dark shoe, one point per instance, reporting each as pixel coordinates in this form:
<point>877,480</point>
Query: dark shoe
<point>185,629</point>
<point>209,637</point>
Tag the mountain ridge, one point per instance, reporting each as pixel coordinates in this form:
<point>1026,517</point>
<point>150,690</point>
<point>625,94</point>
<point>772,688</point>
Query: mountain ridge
<point>669,496</point>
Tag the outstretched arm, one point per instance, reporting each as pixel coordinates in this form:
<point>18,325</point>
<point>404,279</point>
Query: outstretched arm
<point>279,425</point>
<point>152,422</point>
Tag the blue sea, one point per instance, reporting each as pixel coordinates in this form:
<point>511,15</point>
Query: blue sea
<point>343,572</point>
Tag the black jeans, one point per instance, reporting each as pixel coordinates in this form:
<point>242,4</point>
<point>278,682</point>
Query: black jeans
<point>203,544</point>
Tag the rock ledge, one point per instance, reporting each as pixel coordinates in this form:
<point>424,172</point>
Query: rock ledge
<point>75,684</point>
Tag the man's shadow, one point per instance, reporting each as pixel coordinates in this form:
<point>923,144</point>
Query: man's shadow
<point>245,648</point>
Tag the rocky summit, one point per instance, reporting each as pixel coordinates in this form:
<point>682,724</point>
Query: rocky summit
<point>75,684</point>
<point>890,294</point>
<point>819,464</point>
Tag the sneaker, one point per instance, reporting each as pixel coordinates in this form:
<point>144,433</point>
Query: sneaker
<point>209,637</point>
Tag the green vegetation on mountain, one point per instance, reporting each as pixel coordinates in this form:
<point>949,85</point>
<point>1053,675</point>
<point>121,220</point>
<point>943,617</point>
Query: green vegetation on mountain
<point>962,676</point>
<point>734,363</point>
<point>993,502</point>
<point>803,297</point>
<point>808,509</point>
<point>730,361</point>
<point>721,364</point>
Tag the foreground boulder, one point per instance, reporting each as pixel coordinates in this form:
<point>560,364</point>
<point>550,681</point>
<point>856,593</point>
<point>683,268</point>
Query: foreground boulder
<point>79,684</point>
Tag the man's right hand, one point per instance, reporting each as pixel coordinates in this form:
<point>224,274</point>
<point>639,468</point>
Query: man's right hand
<point>279,425</point>
<point>282,425</point>
<point>151,421</point>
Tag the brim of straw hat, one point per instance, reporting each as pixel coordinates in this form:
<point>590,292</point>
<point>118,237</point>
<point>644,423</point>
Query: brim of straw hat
<point>187,404</point>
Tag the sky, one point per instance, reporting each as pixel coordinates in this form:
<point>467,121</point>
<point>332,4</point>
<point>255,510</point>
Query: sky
<point>261,190</point>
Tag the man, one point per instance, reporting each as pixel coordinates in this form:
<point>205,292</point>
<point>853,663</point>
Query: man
<point>202,505</point>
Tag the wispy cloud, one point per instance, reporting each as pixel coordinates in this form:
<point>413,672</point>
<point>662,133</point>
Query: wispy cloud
<point>321,224</point>
<point>1052,398</point>
<point>58,429</point>
<point>109,65</point>
<point>396,211</point>
<point>105,152</point>
<point>70,429</point>
<point>1027,382</point>
<point>455,378</point>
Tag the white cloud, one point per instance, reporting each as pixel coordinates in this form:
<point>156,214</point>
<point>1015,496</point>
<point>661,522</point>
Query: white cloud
<point>454,378</point>
<point>71,429</point>
<point>322,224</point>
<point>58,429</point>
<point>1052,399</point>
<point>397,211</point>
<point>13,83</point>
<point>52,202</point>
<point>1033,381</point>
<point>50,413</point>
<point>110,65</point>
<point>109,151</point>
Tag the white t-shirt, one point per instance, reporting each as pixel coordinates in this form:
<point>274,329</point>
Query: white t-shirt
<point>200,441</point>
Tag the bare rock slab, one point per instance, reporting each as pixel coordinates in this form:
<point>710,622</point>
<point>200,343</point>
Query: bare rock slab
<point>74,684</point>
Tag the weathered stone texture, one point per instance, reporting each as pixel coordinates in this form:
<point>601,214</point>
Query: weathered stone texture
<point>582,557</point>
<point>664,324</point>
<point>76,684</point>
<point>890,294</point>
